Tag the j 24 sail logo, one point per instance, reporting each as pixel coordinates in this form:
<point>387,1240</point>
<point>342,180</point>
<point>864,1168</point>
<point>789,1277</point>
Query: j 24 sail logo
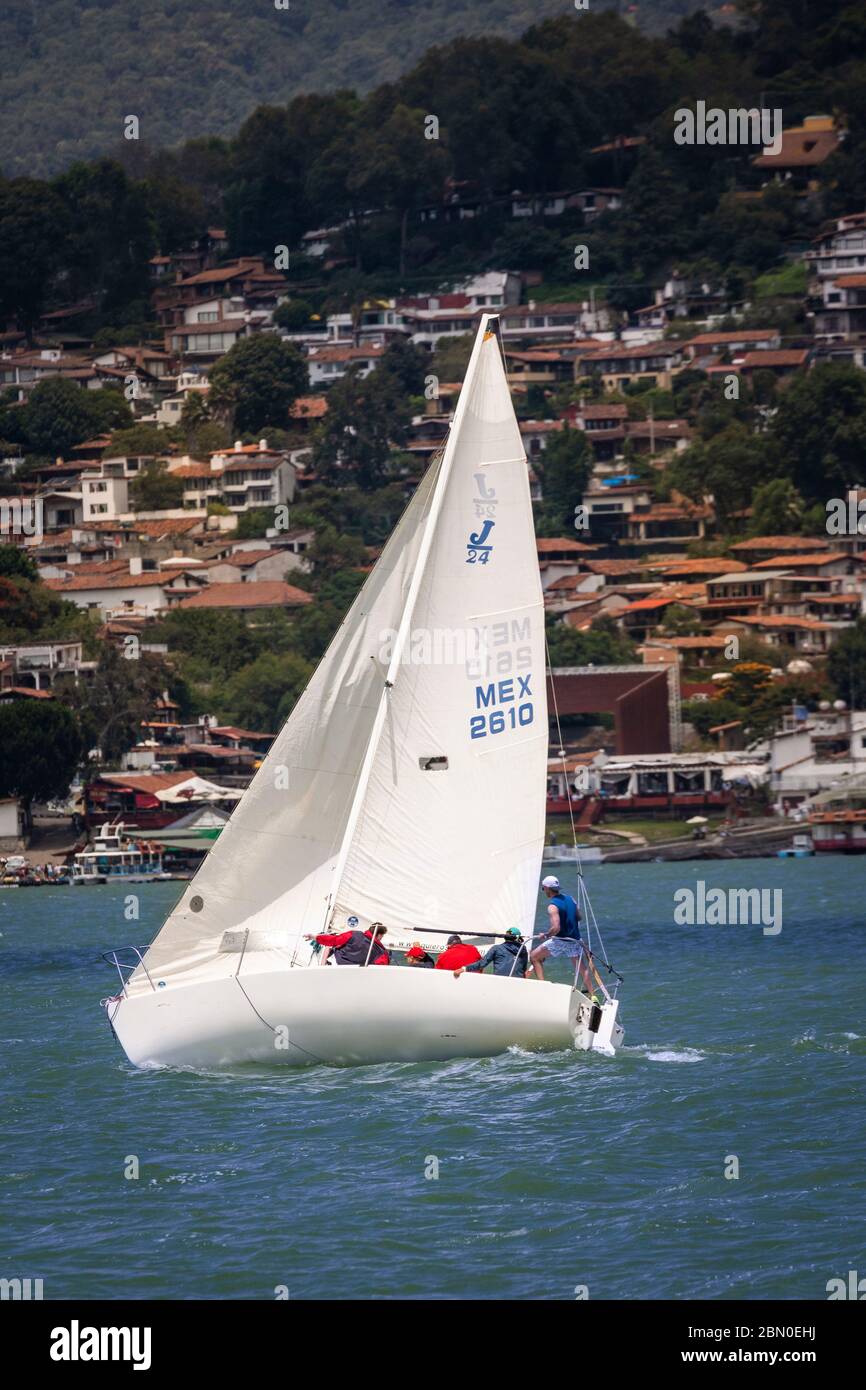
<point>478,549</point>
<point>485,503</point>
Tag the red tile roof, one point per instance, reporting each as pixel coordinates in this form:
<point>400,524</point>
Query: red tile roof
<point>344,354</point>
<point>709,565</point>
<point>801,561</point>
<point>772,620</point>
<point>242,559</point>
<point>646,605</point>
<point>802,148</point>
<point>154,529</point>
<point>26,692</point>
<point>264,594</point>
<point>782,357</point>
<point>782,543</point>
<point>546,545</point>
<point>151,782</point>
<point>614,567</point>
<point>192,330</point>
<point>742,335</point>
<point>196,470</point>
<point>231,732</point>
<point>601,412</point>
<point>688,644</point>
<point>309,408</point>
<point>226,272</point>
<point>111,580</point>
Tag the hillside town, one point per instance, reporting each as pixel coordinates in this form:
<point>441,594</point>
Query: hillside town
<point>188,512</point>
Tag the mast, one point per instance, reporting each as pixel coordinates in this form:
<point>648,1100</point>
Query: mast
<point>488,322</point>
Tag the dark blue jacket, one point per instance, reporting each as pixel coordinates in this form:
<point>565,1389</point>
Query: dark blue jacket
<point>501,957</point>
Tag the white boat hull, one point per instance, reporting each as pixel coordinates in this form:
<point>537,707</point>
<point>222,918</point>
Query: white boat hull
<point>344,1015</point>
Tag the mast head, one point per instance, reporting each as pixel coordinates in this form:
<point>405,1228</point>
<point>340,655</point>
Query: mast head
<point>491,327</point>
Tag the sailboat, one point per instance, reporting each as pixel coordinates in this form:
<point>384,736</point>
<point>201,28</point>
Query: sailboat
<point>407,787</point>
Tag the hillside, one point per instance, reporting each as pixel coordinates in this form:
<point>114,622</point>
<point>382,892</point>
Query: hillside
<point>198,67</point>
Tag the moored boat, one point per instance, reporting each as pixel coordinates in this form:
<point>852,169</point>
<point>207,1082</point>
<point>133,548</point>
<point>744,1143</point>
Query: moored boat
<point>113,855</point>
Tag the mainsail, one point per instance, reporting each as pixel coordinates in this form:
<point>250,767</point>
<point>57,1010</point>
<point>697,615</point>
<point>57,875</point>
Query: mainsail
<point>450,830</point>
<point>406,785</point>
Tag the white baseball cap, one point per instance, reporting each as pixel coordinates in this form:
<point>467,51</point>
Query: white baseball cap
<point>550,882</point>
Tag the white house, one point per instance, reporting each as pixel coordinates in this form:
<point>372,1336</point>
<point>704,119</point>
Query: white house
<point>812,751</point>
<point>36,665</point>
<point>492,289</point>
<point>117,592</point>
<point>103,498</point>
<point>329,364</point>
<point>252,475</point>
<point>11,824</point>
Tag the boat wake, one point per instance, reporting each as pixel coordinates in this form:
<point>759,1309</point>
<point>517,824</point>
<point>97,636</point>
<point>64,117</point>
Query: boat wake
<point>669,1054</point>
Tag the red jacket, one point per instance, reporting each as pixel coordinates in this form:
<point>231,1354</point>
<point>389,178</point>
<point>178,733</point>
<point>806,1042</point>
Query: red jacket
<point>454,956</point>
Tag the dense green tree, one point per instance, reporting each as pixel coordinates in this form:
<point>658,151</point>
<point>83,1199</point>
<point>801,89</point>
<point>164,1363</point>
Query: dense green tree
<point>16,564</point>
<point>818,437</point>
<point>222,640</point>
<point>33,224</point>
<point>257,382</point>
<point>293,314</point>
<point>112,703</point>
<point>110,410</point>
<point>602,645</point>
<point>30,610</point>
<point>138,440</point>
<point>262,695</point>
<point>846,665</point>
<point>331,551</point>
<point>57,416</point>
<point>704,715</point>
<point>777,509</point>
<point>396,164</point>
<point>254,523</point>
<point>564,469</point>
<point>40,746</point>
<point>724,468</point>
<point>680,621</point>
<point>111,234</point>
<point>367,419</point>
<point>451,358</point>
<point>154,489</point>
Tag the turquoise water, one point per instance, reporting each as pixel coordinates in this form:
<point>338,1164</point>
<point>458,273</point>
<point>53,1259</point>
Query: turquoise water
<point>555,1171</point>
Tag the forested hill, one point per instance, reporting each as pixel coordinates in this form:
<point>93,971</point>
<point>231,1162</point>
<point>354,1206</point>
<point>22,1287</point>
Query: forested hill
<point>73,69</point>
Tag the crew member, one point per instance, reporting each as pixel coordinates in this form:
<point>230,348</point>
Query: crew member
<point>354,947</point>
<point>507,957</point>
<point>417,956</point>
<point>457,953</point>
<point>562,937</point>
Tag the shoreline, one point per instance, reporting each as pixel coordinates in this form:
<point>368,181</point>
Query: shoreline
<point>753,843</point>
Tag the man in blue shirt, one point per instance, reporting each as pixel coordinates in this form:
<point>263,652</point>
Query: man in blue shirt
<point>562,937</point>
